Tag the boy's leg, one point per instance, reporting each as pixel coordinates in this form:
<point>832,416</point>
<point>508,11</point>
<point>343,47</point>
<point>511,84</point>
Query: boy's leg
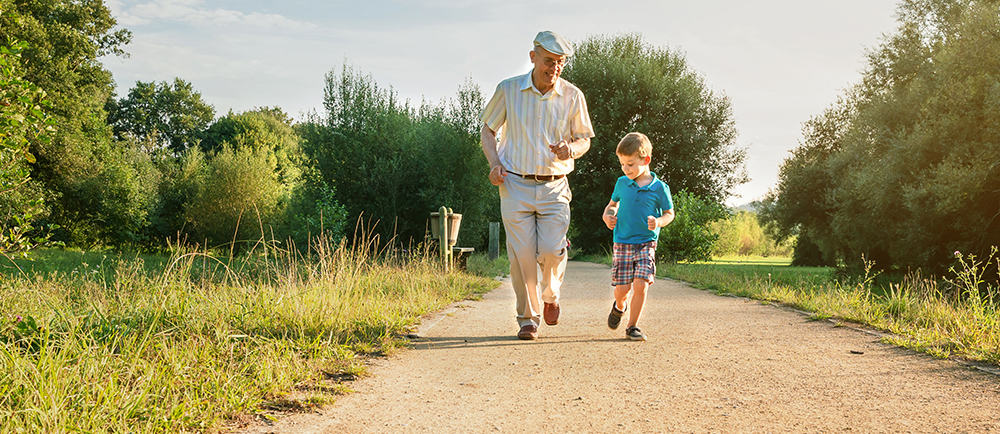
<point>621,292</point>
<point>638,299</point>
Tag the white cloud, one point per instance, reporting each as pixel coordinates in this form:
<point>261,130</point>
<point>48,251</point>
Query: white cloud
<point>196,13</point>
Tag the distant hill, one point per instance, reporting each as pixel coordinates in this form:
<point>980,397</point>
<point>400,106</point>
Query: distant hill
<point>753,207</point>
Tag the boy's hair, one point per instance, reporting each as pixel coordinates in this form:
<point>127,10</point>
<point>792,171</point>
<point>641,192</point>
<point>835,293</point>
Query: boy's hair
<point>635,144</point>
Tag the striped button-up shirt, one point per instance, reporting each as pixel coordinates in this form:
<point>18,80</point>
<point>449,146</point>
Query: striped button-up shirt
<point>527,122</point>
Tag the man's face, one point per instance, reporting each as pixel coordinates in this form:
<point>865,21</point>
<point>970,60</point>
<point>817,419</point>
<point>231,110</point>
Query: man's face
<point>548,66</point>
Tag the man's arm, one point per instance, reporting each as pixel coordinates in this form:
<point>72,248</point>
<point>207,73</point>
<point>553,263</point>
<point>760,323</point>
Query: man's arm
<point>489,140</point>
<point>565,150</point>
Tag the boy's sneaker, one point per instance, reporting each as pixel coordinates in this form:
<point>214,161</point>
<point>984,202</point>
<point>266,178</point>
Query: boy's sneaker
<point>615,317</point>
<point>634,334</point>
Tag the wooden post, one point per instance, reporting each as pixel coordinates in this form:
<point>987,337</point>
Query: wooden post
<point>494,240</point>
<point>445,246</point>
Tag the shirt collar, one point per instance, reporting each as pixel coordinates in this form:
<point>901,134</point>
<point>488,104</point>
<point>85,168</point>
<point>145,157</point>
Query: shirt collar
<point>528,84</point>
<point>647,186</point>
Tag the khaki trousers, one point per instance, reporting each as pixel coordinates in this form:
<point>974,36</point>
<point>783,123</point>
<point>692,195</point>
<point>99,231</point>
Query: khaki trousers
<point>535,217</point>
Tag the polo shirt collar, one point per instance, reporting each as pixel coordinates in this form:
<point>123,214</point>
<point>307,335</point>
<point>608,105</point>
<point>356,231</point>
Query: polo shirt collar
<point>528,84</point>
<point>645,187</point>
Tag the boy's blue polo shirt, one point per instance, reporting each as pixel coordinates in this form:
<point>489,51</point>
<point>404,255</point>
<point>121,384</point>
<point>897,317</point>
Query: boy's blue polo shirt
<point>634,204</point>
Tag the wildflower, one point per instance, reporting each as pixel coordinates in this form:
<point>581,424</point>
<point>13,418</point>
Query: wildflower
<point>958,254</point>
<point>17,319</point>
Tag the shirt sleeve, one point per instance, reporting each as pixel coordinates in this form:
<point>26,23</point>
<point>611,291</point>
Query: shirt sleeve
<point>616,195</point>
<point>580,126</point>
<point>495,112</point>
<point>666,201</point>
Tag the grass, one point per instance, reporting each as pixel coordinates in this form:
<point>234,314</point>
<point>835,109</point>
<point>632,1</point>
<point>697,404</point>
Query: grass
<point>95,341</point>
<point>954,316</point>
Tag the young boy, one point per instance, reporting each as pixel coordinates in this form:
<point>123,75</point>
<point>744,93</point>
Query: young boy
<point>640,205</point>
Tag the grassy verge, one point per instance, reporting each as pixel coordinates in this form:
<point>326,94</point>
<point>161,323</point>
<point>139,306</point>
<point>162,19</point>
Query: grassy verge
<point>953,317</point>
<point>481,265</point>
<point>97,342</point>
<point>956,316</point>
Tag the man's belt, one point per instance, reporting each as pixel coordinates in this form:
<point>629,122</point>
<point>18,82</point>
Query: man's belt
<point>543,178</point>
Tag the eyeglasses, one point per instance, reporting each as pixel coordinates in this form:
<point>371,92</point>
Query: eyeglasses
<point>549,63</point>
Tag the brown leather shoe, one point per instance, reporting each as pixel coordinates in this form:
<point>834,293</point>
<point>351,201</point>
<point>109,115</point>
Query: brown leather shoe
<point>551,313</point>
<point>528,333</point>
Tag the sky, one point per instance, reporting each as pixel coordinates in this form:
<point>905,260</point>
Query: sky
<point>779,62</point>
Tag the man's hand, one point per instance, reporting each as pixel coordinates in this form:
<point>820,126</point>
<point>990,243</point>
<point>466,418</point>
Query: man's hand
<point>562,150</point>
<point>651,222</point>
<point>610,220</point>
<point>497,174</point>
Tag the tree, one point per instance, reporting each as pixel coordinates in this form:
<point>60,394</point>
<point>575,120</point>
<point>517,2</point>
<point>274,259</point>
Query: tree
<point>905,169</point>
<point>80,168</point>
<point>23,120</point>
<point>393,164</point>
<point>161,115</point>
<point>248,177</point>
<point>632,86</point>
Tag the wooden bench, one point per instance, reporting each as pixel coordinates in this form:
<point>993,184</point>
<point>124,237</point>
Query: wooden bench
<point>461,255</point>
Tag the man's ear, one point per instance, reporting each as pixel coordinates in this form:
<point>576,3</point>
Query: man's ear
<point>531,56</point>
<point>646,160</point>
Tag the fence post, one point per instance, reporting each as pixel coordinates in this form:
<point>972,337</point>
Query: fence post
<point>494,240</point>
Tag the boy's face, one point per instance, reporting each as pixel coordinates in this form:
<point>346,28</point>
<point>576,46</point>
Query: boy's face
<point>634,166</point>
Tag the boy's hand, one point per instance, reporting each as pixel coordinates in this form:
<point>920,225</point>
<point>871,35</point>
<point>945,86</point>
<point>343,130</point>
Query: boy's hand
<point>610,220</point>
<point>651,222</point>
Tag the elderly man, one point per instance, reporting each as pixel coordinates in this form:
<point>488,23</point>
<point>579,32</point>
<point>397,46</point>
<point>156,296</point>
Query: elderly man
<point>543,125</point>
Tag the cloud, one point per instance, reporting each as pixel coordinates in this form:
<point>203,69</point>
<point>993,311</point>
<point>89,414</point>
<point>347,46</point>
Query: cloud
<point>196,13</point>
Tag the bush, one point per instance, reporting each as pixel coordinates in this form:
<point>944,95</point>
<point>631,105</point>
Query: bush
<point>742,234</point>
<point>240,198</point>
<point>689,237</point>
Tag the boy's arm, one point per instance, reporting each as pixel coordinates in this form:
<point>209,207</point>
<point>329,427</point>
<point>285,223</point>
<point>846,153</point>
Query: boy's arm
<point>610,214</point>
<point>661,221</point>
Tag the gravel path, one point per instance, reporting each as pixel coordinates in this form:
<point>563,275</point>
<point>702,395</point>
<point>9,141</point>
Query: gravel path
<point>711,364</point>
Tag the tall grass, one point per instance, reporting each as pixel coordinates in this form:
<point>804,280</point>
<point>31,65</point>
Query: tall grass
<point>954,316</point>
<point>203,341</point>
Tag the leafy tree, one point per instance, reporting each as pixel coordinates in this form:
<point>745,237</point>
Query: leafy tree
<point>393,164</point>
<point>905,169</point>
<point>161,115</point>
<point>249,178</point>
<point>92,182</point>
<point>23,119</point>
<point>632,86</point>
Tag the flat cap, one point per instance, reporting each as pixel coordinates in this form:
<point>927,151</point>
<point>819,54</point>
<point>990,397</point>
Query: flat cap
<point>553,43</point>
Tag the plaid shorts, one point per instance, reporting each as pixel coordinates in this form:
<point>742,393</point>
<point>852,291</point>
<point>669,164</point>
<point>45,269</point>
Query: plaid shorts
<point>633,261</point>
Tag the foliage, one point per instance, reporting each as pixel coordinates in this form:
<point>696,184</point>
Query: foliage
<point>689,237</point>
<point>393,165</point>
<point>633,86</point>
<point>314,211</point>
<point>160,115</point>
<point>23,120</point>
<point>742,234</point>
<point>95,188</point>
<point>239,200</point>
<point>905,168</point>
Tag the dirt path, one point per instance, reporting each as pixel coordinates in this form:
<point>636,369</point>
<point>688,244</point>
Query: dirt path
<point>711,364</point>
